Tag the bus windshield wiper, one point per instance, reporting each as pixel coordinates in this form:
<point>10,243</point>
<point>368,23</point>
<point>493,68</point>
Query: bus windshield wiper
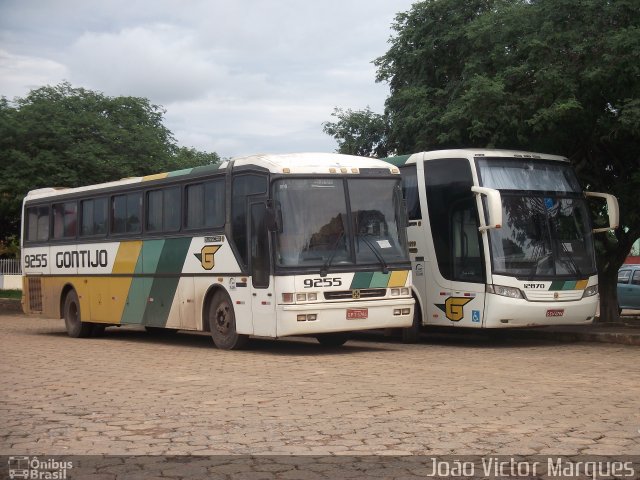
<point>570,260</point>
<point>366,239</point>
<point>334,250</point>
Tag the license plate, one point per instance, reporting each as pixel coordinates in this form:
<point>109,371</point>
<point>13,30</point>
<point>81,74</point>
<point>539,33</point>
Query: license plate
<point>357,313</point>
<point>555,313</point>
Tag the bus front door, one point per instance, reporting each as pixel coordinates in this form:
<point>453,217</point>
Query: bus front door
<point>263,301</point>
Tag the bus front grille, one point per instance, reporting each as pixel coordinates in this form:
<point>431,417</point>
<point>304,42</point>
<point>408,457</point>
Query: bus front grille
<point>355,294</point>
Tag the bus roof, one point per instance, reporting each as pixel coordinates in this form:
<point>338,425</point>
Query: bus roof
<point>470,153</point>
<point>294,163</point>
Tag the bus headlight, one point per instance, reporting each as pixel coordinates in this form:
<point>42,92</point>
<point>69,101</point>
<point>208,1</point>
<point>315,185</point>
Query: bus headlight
<point>590,291</point>
<point>510,292</point>
<point>287,298</point>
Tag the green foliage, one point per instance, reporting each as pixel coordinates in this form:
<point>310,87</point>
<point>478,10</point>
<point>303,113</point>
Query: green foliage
<point>60,136</point>
<point>360,132</point>
<point>10,247</point>
<point>555,76</point>
<point>15,294</point>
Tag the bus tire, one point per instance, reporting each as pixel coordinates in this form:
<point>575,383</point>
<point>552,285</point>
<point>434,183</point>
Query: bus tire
<point>412,334</point>
<point>222,323</point>
<point>332,339</point>
<point>76,328</point>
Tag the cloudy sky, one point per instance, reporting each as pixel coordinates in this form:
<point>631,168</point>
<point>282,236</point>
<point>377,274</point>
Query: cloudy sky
<point>235,77</point>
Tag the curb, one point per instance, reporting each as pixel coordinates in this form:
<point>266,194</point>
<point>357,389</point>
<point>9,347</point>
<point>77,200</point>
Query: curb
<point>624,338</point>
<point>10,305</point>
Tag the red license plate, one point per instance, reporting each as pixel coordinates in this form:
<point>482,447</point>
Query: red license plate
<point>357,313</point>
<point>555,313</point>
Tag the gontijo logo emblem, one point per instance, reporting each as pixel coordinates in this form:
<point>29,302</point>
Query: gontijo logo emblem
<point>207,256</point>
<point>453,307</point>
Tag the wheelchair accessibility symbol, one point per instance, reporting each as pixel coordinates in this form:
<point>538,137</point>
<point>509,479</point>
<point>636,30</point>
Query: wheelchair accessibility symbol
<point>475,316</point>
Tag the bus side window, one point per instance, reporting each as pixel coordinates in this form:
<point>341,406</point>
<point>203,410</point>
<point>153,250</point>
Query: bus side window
<point>65,220</point>
<point>244,186</point>
<point>37,224</point>
<point>93,217</point>
<point>163,210</point>
<point>126,213</point>
<point>410,191</point>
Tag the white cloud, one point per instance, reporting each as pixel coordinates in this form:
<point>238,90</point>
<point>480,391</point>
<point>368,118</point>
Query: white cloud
<point>161,62</point>
<point>19,74</point>
<point>235,77</point>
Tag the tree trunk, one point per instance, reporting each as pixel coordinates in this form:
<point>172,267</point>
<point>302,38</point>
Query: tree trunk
<point>607,286</point>
<point>609,262</point>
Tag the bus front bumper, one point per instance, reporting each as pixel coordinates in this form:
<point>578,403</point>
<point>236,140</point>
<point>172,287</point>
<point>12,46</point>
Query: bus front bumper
<point>503,312</point>
<point>344,316</point>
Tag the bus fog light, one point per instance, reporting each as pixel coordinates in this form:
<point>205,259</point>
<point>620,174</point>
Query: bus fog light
<point>301,297</point>
<point>397,312</point>
<point>510,292</point>
<point>404,291</point>
<point>302,318</point>
<point>312,297</point>
<point>590,291</point>
<point>406,311</point>
<point>287,298</point>
<point>312,317</point>
<point>395,292</point>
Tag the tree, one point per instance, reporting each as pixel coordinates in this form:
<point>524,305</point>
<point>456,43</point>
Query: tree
<point>556,76</point>
<point>67,137</point>
<point>360,132</point>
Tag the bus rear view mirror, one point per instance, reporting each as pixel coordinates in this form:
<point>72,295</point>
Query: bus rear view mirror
<point>613,211</point>
<point>270,220</point>
<point>493,205</point>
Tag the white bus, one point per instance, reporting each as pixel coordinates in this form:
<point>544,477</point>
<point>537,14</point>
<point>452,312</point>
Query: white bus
<point>499,239</point>
<point>267,245</point>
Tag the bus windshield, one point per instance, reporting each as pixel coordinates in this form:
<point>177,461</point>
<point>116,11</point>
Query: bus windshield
<point>318,229</point>
<point>545,227</point>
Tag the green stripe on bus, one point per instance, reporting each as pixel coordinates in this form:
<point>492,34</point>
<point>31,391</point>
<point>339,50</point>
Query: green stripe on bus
<point>163,290</point>
<point>556,285</point>
<point>177,173</point>
<point>361,280</point>
<point>397,161</point>
<point>379,280</point>
<point>140,289</point>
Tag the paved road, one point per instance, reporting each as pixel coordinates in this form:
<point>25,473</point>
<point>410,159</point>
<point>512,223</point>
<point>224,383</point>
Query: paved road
<point>132,393</point>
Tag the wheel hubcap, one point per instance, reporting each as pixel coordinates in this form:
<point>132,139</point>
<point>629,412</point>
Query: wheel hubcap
<point>223,318</point>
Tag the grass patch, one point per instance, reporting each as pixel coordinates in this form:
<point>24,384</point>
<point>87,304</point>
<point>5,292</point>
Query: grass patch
<point>11,294</point>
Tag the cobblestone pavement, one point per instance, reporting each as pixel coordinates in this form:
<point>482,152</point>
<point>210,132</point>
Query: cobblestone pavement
<point>133,393</point>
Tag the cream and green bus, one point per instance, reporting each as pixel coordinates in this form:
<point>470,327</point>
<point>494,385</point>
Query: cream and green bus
<point>267,245</point>
<point>500,239</point>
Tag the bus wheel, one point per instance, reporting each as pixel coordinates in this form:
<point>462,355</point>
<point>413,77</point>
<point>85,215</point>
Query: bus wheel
<point>75,327</point>
<point>412,334</point>
<point>222,323</point>
<point>332,339</point>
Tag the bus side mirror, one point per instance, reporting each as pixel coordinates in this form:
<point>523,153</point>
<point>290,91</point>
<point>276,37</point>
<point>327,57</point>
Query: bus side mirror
<point>612,210</point>
<point>494,207</point>
<point>270,220</point>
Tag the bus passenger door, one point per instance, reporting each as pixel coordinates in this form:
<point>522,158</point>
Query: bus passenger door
<point>262,290</point>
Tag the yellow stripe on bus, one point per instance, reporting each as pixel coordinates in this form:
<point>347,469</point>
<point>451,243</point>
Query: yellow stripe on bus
<point>127,257</point>
<point>582,284</point>
<point>155,176</point>
<point>398,278</point>
<point>125,263</point>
